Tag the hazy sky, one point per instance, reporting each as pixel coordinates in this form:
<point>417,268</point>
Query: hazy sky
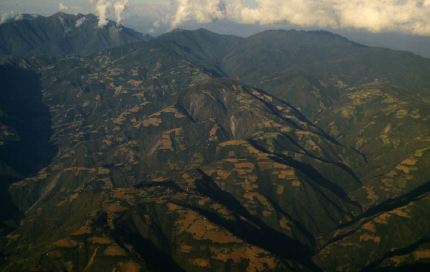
<point>406,16</point>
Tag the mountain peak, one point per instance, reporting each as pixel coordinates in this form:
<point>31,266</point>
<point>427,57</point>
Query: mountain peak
<point>285,151</point>
<point>64,34</point>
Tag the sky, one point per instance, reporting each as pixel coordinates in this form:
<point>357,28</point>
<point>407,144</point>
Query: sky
<point>403,16</point>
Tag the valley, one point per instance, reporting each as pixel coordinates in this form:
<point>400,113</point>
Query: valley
<point>195,151</point>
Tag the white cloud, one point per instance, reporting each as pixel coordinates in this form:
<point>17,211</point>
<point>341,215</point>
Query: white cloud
<point>119,7</point>
<point>201,11</point>
<point>62,7</point>
<point>80,21</point>
<point>102,9</point>
<point>106,8</point>
<point>411,16</point>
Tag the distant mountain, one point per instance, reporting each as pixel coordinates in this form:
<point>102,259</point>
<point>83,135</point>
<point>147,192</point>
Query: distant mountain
<point>398,41</point>
<point>62,34</point>
<point>149,115</point>
<point>330,79</point>
<point>302,60</point>
<point>194,151</point>
<point>208,46</point>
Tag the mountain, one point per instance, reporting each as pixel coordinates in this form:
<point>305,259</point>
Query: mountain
<point>24,16</point>
<point>341,86</point>
<point>410,42</point>
<point>203,44</point>
<point>24,136</point>
<point>136,118</point>
<point>63,34</point>
<point>284,151</point>
<point>304,60</point>
<point>399,41</point>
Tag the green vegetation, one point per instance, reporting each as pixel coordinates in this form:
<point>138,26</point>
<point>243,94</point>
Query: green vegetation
<point>190,152</point>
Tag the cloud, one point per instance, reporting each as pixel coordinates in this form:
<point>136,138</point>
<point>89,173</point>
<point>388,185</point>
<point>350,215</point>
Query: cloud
<point>386,15</point>
<point>62,7</point>
<point>119,7</point>
<point>102,9</point>
<point>105,8</point>
<point>12,16</point>
<point>201,11</point>
<point>412,16</point>
<point>80,21</point>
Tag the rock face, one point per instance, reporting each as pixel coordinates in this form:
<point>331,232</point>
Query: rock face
<point>189,152</point>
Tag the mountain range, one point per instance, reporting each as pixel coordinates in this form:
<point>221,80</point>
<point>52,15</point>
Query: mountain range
<point>195,151</point>
<point>62,34</point>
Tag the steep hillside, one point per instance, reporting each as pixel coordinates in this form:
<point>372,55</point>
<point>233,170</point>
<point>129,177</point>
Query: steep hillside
<point>284,151</point>
<point>309,69</point>
<point>24,135</point>
<point>313,67</point>
<point>207,47</point>
<point>63,34</point>
<point>148,135</point>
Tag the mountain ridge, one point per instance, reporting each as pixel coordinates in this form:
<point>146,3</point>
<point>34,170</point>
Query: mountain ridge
<point>63,34</point>
<point>174,151</point>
